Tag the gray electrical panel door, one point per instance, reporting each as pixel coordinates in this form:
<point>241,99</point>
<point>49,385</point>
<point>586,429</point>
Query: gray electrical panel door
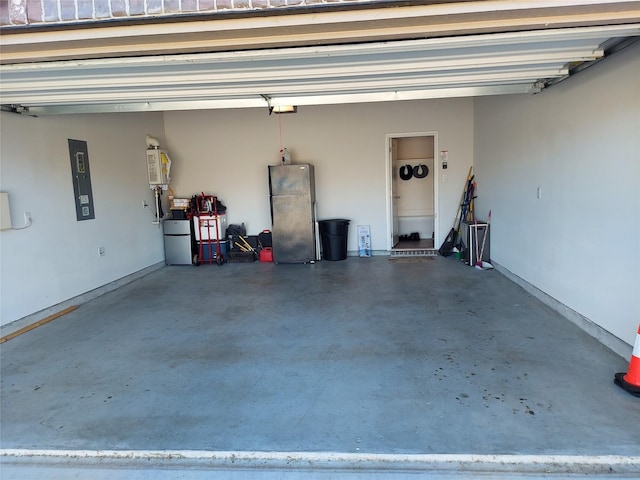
<point>81,176</point>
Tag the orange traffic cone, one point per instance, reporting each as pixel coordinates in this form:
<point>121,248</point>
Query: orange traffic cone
<point>631,381</point>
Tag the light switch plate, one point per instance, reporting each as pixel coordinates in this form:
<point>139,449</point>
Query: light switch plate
<point>5,212</point>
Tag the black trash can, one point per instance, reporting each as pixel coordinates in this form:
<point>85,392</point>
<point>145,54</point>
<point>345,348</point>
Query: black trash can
<point>333,234</point>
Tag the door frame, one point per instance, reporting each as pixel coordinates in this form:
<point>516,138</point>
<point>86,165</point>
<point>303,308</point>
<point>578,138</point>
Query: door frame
<point>390,184</point>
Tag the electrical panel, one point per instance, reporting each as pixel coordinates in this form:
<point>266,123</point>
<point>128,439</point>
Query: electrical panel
<point>81,176</point>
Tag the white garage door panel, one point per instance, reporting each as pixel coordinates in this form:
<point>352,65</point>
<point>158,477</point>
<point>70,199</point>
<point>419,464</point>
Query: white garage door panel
<point>481,64</point>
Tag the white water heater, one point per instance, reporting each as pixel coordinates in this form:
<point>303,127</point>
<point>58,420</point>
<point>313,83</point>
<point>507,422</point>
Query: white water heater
<point>158,167</point>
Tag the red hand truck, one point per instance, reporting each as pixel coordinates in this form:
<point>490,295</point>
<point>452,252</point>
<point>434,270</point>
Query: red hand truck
<point>206,220</point>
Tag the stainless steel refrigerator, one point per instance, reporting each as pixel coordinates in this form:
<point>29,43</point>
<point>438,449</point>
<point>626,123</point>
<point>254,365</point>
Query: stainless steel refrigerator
<point>293,197</point>
<point>177,242</point>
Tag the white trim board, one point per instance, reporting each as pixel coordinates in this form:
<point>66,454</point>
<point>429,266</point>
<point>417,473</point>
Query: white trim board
<point>23,322</point>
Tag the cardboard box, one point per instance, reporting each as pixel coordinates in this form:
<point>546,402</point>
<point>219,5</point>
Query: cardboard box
<point>180,203</point>
<point>364,240</point>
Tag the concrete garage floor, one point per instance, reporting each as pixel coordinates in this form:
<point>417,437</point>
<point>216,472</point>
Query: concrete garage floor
<point>385,369</point>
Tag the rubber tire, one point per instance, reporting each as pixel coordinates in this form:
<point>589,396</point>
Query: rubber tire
<point>406,172</point>
<point>416,170</point>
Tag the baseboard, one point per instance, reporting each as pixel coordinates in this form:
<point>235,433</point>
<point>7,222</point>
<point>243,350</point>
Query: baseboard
<point>606,338</point>
<point>374,253</point>
<point>613,343</point>
<point>16,325</point>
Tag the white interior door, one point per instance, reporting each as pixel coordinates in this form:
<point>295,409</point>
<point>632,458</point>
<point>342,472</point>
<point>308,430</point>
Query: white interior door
<point>393,194</point>
<point>412,204</point>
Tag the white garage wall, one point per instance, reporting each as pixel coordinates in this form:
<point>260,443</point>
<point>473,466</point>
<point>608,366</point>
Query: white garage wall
<point>57,257</point>
<point>220,152</point>
<point>580,143</point>
<point>226,153</point>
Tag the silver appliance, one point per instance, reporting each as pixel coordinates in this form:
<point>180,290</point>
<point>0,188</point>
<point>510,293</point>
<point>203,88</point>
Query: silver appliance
<point>177,242</point>
<point>293,197</point>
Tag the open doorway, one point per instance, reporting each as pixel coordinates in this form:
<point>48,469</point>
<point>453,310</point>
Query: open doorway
<point>413,193</point>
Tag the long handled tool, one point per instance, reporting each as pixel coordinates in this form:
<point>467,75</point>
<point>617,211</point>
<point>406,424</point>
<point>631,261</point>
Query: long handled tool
<point>247,245</point>
<point>465,205</point>
<point>451,239</point>
<point>479,263</point>
<point>241,247</point>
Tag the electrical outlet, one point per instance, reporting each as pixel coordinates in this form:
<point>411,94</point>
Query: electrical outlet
<point>27,218</point>
<point>144,204</point>
<point>101,251</point>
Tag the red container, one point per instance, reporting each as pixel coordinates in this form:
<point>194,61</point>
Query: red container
<point>266,254</point>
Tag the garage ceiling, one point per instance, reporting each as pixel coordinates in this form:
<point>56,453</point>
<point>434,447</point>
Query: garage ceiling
<point>445,49</point>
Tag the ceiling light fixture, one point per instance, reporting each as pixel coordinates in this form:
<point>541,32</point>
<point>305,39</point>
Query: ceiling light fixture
<point>279,108</point>
<point>284,109</point>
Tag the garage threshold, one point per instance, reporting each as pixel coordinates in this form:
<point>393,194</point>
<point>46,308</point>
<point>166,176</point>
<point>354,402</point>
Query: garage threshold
<point>408,365</point>
<point>45,464</point>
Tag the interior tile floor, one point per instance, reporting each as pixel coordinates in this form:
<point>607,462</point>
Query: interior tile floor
<point>414,244</point>
<point>362,358</point>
